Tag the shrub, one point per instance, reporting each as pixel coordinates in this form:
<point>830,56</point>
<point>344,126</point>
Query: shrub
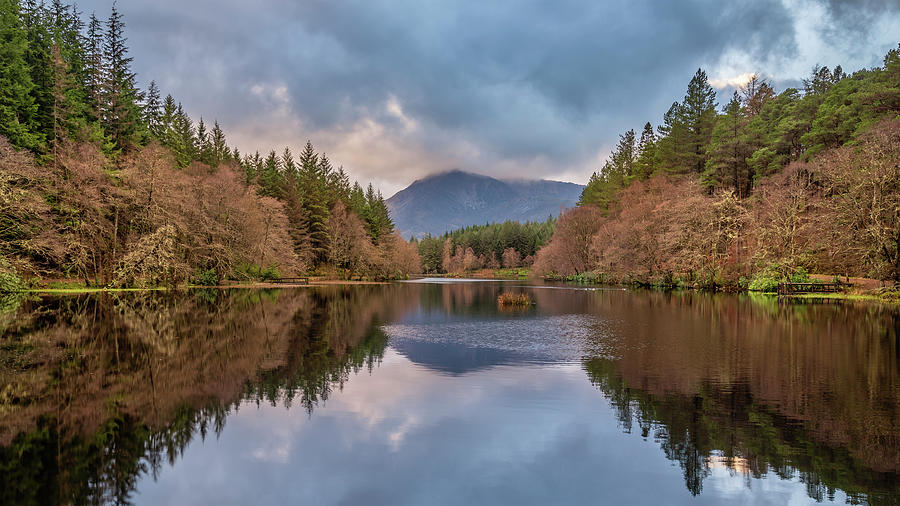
<point>514,299</point>
<point>256,272</point>
<point>9,279</point>
<point>206,277</point>
<point>767,280</point>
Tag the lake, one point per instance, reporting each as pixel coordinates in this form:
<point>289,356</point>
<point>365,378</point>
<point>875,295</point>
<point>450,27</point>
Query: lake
<point>428,392</point>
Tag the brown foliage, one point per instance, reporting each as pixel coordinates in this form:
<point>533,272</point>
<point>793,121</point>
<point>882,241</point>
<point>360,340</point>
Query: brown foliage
<point>351,249</point>
<point>862,185</point>
<point>839,214</point>
<point>349,246</point>
<point>569,249</point>
<point>397,257</point>
<point>220,223</point>
<point>511,258</point>
<point>87,220</point>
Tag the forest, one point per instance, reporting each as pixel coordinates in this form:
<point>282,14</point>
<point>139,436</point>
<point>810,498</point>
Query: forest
<point>111,185</point>
<point>771,186</point>
<point>491,246</point>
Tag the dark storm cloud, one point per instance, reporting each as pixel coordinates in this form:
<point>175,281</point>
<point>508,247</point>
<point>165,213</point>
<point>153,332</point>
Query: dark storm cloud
<point>528,88</point>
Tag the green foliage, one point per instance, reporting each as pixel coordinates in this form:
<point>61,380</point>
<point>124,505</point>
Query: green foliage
<point>256,272</point>
<point>18,109</point>
<point>586,278</point>
<point>9,279</point>
<point>768,278</point>
<point>487,240</point>
<point>206,277</point>
<point>757,133</point>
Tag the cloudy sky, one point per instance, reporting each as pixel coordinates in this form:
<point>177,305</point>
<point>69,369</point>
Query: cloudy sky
<point>397,89</point>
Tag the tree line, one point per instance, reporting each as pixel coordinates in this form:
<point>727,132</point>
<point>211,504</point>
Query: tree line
<point>509,244</point>
<point>110,183</point>
<point>803,179</point>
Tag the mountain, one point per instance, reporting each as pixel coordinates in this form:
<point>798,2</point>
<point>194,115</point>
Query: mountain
<point>457,199</point>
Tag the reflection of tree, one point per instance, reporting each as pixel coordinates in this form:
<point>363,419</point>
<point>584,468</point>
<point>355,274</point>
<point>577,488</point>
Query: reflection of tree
<point>117,385</point>
<point>726,425</point>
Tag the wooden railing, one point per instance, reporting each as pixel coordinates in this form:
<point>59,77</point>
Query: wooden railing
<point>813,287</point>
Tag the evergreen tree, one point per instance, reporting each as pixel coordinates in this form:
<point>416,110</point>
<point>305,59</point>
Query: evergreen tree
<point>17,104</point>
<point>94,66</point>
<point>699,110</point>
<point>645,165</point>
<point>673,137</point>
<point>120,111</point>
<point>203,148</point>
<point>624,155</point>
<point>315,208</point>
<point>168,122</point>
<point>37,59</point>
<point>153,111</point>
<point>185,141</point>
<point>220,151</point>
<point>377,218</point>
<point>288,166</point>
<point>728,151</point>
<point>270,177</point>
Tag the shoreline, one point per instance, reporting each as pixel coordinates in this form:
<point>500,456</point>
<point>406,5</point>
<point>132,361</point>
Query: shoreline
<point>890,297</point>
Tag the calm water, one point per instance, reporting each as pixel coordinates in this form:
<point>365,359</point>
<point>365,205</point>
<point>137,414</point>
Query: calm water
<point>428,393</point>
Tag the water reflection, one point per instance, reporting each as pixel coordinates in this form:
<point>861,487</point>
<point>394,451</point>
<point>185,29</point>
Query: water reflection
<point>422,392</point>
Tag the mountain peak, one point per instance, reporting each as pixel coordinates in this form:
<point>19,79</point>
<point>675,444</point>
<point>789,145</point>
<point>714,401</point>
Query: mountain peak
<point>453,199</point>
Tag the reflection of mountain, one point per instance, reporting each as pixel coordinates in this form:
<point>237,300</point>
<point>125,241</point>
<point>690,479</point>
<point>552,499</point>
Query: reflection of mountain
<point>460,344</point>
<point>453,358</point>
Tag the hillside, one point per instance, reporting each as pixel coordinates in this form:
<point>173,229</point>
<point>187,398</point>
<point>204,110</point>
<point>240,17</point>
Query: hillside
<point>457,199</point>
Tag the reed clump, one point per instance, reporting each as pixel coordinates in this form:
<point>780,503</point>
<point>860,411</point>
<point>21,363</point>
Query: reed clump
<point>514,299</point>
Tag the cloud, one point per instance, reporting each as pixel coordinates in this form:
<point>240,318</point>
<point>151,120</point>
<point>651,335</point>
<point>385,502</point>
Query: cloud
<point>732,82</point>
<point>395,89</point>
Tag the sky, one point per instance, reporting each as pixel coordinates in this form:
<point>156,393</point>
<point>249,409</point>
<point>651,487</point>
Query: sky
<point>394,90</point>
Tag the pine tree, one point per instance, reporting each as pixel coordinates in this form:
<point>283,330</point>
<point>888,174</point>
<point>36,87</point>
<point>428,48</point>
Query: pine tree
<point>377,218</point>
<point>624,155</point>
<point>94,66</point>
<point>357,200</point>
<point>728,152</point>
<point>184,139</point>
<point>120,110</point>
<point>153,111</point>
<point>288,166</point>
<point>699,110</point>
<point>645,165</point>
<point>67,40</point>
<point>203,148</point>
<point>17,105</point>
<point>270,177</point>
<point>313,192</point>
<point>37,59</point>
<point>673,135</point>
<point>220,151</point>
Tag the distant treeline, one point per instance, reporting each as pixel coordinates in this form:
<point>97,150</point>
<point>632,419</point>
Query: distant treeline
<point>509,244</point>
<point>112,184</point>
<point>774,182</point>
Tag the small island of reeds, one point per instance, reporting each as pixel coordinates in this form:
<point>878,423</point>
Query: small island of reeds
<point>508,299</point>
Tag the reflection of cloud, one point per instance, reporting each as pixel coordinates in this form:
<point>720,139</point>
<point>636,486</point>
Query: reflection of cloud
<point>530,435</point>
